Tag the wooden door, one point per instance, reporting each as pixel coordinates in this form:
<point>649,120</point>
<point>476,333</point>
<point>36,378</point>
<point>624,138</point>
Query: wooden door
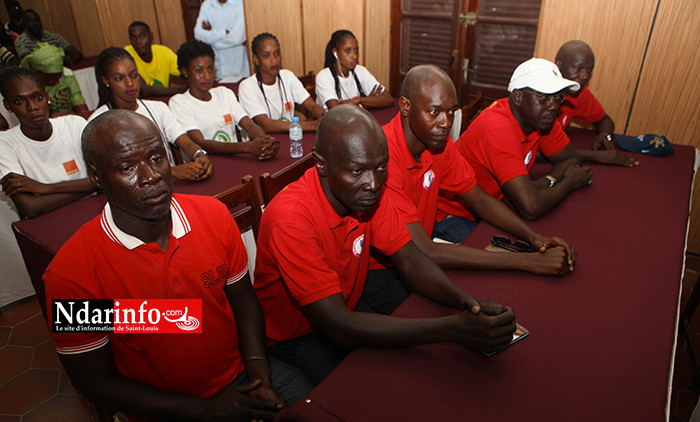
<point>477,42</point>
<point>422,31</point>
<point>499,37</point>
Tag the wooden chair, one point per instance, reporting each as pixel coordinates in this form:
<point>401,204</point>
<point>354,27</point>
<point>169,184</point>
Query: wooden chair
<point>271,184</point>
<point>309,82</point>
<point>177,154</point>
<point>246,195</point>
<point>471,110</point>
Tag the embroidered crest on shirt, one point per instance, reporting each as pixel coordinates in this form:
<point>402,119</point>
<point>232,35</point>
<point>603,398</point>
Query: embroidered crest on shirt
<point>357,245</point>
<point>563,121</point>
<point>528,157</point>
<point>70,167</point>
<point>222,136</point>
<point>428,179</point>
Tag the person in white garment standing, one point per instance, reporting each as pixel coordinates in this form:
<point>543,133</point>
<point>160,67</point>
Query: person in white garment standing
<point>221,24</point>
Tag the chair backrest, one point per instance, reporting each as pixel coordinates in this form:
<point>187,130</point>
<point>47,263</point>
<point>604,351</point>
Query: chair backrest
<point>246,195</point>
<point>471,110</point>
<point>177,155</point>
<point>271,184</point>
<point>309,82</point>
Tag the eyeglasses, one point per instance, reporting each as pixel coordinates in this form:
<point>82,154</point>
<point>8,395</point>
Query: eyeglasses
<point>505,243</point>
<point>543,99</point>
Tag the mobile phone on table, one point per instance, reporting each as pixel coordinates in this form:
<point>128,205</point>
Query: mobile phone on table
<point>519,334</point>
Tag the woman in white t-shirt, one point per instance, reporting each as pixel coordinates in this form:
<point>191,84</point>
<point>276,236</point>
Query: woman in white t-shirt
<point>343,80</point>
<point>210,115</point>
<point>269,95</point>
<point>118,85</point>
<point>41,161</point>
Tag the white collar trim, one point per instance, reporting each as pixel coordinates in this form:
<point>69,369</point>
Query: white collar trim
<point>180,226</point>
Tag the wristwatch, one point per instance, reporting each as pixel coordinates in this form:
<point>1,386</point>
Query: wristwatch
<point>551,179</point>
<point>196,153</point>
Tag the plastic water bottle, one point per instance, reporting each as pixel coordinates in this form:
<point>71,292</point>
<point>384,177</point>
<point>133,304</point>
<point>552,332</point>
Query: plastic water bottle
<point>296,149</point>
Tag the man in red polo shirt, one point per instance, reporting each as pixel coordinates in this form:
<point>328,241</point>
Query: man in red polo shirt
<point>424,164</point>
<point>502,143</point>
<point>313,258</point>
<point>576,61</point>
<point>149,244</point>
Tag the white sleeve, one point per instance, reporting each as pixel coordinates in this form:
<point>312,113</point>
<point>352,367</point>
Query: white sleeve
<point>236,26</point>
<point>325,87</point>
<point>76,125</point>
<point>294,87</point>
<point>236,109</point>
<point>367,80</point>
<point>181,109</point>
<point>97,112</point>
<point>9,160</point>
<point>166,120</point>
<point>211,36</point>
<point>251,98</point>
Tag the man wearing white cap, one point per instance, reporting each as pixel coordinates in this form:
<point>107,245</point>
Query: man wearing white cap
<point>502,143</point>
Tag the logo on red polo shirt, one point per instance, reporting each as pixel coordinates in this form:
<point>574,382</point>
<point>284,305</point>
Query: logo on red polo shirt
<point>528,157</point>
<point>357,245</point>
<point>428,179</point>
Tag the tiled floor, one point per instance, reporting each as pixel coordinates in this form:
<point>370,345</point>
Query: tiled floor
<point>34,386</point>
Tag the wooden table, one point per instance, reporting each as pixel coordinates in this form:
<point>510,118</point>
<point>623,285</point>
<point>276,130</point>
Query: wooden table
<point>602,339</point>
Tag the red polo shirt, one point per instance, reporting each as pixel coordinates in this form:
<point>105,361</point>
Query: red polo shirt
<point>498,150</point>
<point>205,252</point>
<point>307,252</point>
<point>585,108</point>
<point>441,172</point>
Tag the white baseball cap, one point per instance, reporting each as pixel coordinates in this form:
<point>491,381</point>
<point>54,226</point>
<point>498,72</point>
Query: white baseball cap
<point>542,76</point>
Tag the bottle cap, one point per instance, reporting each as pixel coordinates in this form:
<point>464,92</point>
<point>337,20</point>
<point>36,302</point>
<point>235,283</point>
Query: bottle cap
<point>295,119</point>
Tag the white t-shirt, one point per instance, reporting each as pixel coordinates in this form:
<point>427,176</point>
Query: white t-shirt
<point>214,118</point>
<point>159,113</point>
<point>57,159</point>
<point>278,102</point>
<point>325,85</point>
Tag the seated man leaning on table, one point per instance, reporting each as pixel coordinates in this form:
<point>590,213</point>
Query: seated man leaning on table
<point>151,244</point>
<point>576,61</point>
<point>425,164</point>
<point>313,257</point>
<point>502,143</point>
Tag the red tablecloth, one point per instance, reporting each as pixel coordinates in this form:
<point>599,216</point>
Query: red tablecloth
<point>601,338</point>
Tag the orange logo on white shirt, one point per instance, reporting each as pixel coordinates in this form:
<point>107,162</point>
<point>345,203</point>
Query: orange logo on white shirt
<point>70,167</point>
<point>227,119</point>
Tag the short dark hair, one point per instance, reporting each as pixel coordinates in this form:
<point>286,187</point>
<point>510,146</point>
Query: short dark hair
<point>140,23</point>
<point>11,73</point>
<point>190,50</point>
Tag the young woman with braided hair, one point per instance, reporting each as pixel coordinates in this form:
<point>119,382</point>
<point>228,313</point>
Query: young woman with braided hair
<point>210,114</point>
<point>343,80</point>
<point>118,85</point>
<point>270,93</point>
